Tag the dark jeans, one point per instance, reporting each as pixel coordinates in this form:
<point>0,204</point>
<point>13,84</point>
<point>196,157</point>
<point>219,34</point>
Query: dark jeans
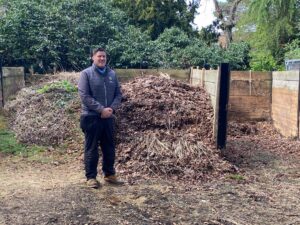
<point>98,131</point>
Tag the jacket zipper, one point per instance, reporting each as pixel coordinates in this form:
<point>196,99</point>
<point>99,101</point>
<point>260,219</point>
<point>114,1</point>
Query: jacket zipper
<point>105,93</point>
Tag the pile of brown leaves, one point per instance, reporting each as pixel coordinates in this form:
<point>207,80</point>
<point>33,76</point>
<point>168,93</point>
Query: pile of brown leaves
<point>165,128</point>
<point>256,144</point>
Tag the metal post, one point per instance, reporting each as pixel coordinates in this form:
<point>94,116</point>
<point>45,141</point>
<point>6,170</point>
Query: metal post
<point>222,112</point>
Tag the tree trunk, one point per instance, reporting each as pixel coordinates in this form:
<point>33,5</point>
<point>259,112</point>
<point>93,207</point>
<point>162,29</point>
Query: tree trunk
<point>228,23</point>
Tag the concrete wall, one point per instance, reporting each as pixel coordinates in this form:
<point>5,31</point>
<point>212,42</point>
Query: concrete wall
<point>13,80</point>
<point>285,103</point>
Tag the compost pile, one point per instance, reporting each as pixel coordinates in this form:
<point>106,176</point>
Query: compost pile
<point>259,140</point>
<point>262,128</point>
<point>164,128</point>
<point>45,118</point>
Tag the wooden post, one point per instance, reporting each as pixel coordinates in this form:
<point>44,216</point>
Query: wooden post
<point>216,106</point>
<point>1,81</point>
<point>298,120</point>
<point>250,81</point>
<point>222,99</point>
<point>191,76</point>
<point>202,77</point>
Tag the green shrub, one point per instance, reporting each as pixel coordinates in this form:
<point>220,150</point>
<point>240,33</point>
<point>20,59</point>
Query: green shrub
<point>63,85</point>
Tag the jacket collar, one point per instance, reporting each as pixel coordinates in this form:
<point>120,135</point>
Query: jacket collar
<point>97,69</point>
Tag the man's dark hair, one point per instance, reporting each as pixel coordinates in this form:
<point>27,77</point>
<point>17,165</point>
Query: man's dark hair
<point>98,50</point>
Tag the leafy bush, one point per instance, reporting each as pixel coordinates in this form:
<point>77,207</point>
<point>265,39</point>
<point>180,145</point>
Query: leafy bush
<point>63,85</point>
<point>293,50</point>
<point>264,61</point>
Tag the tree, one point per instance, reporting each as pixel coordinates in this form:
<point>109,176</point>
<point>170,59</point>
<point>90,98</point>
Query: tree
<point>56,34</point>
<point>227,17</point>
<point>178,50</point>
<point>270,24</point>
<point>210,34</point>
<point>292,50</point>
<point>133,49</point>
<point>154,16</point>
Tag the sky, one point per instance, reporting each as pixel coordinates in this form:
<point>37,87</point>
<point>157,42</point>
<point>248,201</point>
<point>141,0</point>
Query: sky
<point>205,16</point>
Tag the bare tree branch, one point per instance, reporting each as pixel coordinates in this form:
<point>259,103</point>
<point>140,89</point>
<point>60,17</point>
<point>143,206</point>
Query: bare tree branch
<point>227,21</point>
<point>233,10</point>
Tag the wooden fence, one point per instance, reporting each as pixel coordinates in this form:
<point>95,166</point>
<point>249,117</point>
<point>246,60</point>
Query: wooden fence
<point>285,102</point>
<point>13,80</point>
<point>252,96</point>
<point>258,96</point>
<point>250,92</point>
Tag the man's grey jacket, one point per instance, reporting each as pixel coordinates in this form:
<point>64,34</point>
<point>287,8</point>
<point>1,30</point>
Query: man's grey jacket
<point>98,91</point>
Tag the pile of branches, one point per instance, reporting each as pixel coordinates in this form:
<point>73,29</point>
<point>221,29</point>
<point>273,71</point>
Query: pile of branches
<point>164,128</point>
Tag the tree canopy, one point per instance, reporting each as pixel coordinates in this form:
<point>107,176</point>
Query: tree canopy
<point>154,16</point>
<point>59,35</point>
<point>270,26</point>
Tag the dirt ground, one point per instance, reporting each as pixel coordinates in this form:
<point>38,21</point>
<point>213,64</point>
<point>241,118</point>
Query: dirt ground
<point>266,190</point>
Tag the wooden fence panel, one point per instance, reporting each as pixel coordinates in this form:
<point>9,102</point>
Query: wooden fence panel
<point>13,80</point>
<point>285,103</point>
<point>250,95</point>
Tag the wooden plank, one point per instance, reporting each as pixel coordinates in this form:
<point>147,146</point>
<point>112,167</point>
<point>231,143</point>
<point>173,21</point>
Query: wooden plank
<point>285,109</point>
<point>287,84</point>
<point>245,87</point>
<point>195,82</point>
<point>13,71</point>
<point>211,88</point>
<point>253,75</point>
<point>286,75</point>
<point>211,76</point>
<point>249,107</point>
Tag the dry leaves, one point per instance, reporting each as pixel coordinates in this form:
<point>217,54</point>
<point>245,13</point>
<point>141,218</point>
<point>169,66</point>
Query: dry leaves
<point>165,129</point>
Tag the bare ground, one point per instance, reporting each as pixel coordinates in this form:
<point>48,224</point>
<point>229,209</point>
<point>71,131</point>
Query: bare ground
<point>266,191</point>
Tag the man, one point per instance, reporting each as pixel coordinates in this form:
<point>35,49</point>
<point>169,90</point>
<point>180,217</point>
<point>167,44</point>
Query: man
<point>100,95</point>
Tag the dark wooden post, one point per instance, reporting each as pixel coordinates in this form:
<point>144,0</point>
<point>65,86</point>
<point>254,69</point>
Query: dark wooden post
<point>1,80</point>
<point>222,105</point>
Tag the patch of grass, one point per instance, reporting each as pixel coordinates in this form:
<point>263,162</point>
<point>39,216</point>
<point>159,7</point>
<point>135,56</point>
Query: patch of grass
<point>64,85</point>
<point>10,145</point>
<point>236,177</point>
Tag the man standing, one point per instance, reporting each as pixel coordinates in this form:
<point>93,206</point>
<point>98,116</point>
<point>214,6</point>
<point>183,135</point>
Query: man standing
<point>100,95</point>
